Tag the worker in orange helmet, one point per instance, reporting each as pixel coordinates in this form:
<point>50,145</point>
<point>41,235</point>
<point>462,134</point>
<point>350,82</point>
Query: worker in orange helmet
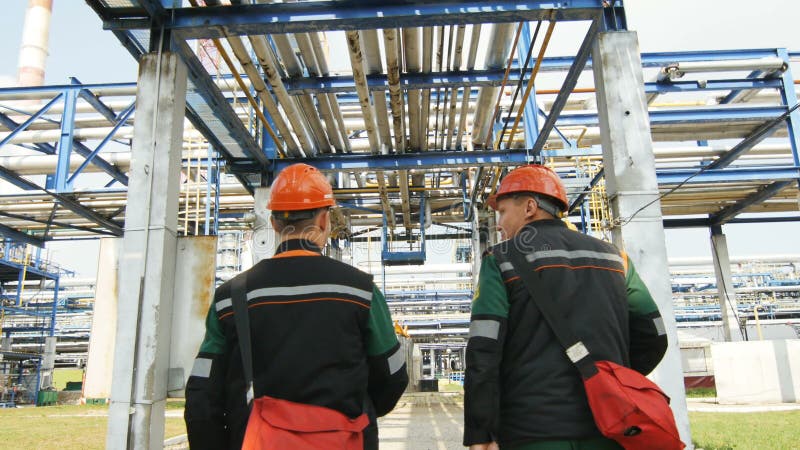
<point>521,390</point>
<point>321,336</point>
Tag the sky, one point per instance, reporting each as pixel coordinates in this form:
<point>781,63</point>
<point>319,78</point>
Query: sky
<point>80,48</point>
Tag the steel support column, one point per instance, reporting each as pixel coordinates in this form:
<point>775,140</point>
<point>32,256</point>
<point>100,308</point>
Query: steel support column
<point>65,142</point>
<point>725,290</point>
<point>141,357</point>
<point>631,184</point>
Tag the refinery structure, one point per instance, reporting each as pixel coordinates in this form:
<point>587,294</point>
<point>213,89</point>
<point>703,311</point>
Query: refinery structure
<point>415,112</point>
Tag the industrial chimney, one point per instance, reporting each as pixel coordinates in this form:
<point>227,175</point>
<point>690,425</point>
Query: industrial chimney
<point>33,50</point>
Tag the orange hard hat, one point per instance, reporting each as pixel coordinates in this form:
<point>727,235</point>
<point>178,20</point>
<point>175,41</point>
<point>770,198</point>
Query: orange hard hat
<point>300,187</point>
<point>532,178</point>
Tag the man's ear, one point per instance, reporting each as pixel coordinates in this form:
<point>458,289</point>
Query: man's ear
<point>531,206</point>
<point>322,218</point>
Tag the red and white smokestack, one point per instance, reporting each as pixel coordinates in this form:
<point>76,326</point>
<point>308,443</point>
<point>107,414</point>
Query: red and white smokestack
<point>33,50</point>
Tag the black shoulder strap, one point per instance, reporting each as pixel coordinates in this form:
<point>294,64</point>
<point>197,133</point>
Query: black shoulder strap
<point>242,319</point>
<point>575,349</point>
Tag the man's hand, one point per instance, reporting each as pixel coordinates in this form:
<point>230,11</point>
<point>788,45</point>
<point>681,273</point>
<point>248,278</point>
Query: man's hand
<point>486,446</point>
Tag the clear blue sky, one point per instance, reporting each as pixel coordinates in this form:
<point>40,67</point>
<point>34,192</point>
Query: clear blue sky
<point>79,47</point>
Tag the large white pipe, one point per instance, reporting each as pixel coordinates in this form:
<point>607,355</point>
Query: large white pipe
<point>473,53</point>
<point>496,57</point>
<point>33,50</point>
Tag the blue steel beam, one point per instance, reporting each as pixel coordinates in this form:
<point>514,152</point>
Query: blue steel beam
<point>689,116</point>
<point>19,236</point>
<point>11,124</point>
<point>789,97</point>
<point>494,77</point>
<point>408,161</point>
<point>54,222</point>
<point>31,119</point>
<point>766,174</point>
<point>124,115</point>
<point>67,202</point>
<point>65,142</point>
<point>762,132</point>
<point>315,16</point>
<point>211,110</point>
<point>567,87</point>
<point>755,198</point>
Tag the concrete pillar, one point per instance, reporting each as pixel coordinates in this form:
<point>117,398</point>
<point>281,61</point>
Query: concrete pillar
<point>100,360</point>
<point>264,239</point>
<point>477,249</point>
<point>725,290</point>
<point>141,357</point>
<point>631,184</point>
<point>48,362</point>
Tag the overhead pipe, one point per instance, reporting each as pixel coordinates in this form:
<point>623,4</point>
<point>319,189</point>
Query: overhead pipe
<point>456,66</point>
<point>322,61</point>
<point>306,101</point>
<point>241,53</point>
<point>499,45</point>
<point>411,49</point>
<point>473,53</point>
<point>439,94</point>
<point>373,134</point>
<point>395,93</point>
<point>270,66</point>
<point>311,59</point>
<point>374,66</point>
<point>424,121</point>
<point>372,60</point>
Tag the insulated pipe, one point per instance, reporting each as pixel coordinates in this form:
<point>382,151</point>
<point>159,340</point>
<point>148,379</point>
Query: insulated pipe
<point>241,53</point>
<point>331,124</point>
<point>270,66</point>
<point>322,61</point>
<point>372,60</point>
<point>304,100</point>
<point>473,52</point>
<point>374,66</point>
<point>451,122</point>
<point>412,58</point>
<point>499,44</point>
<point>395,93</point>
<point>373,134</point>
<point>424,121</point>
<point>437,130</point>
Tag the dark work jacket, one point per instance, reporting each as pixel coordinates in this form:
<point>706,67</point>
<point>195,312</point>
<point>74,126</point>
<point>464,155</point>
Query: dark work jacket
<point>321,334</point>
<point>520,386</point>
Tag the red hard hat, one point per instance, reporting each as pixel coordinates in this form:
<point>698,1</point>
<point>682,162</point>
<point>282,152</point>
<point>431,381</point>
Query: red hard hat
<point>533,178</point>
<point>300,187</point>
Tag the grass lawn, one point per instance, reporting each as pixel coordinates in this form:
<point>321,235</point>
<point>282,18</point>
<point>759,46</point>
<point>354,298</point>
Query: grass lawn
<point>768,430</point>
<point>63,427</point>
<point>61,376</point>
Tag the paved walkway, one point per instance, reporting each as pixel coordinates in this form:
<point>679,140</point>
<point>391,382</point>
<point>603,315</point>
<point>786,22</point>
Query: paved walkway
<point>435,421</point>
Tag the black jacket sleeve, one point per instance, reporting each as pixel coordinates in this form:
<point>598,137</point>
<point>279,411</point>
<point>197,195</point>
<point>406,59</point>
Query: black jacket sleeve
<point>205,392</point>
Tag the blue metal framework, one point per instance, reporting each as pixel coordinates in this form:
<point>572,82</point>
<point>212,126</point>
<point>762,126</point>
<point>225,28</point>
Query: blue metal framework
<point>15,266</point>
<point>155,24</point>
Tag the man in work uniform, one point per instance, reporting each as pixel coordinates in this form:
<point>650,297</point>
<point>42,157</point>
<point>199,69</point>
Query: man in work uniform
<point>322,333</point>
<point>521,389</point>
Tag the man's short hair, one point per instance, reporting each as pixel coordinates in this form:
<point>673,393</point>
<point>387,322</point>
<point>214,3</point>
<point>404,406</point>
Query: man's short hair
<point>295,220</point>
